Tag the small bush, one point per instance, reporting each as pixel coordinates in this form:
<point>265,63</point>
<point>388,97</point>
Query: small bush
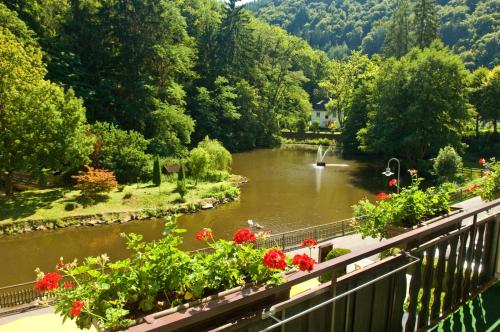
<point>156,172</point>
<point>70,206</point>
<point>120,187</point>
<point>95,181</point>
<point>216,176</point>
<point>181,188</point>
<point>314,127</point>
<point>220,158</point>
<point>222,191</point>
<point>334,253</point>
<point>199,161</point>
<point>447,164</point>
<point>389,252</point>
<point>127,195</point>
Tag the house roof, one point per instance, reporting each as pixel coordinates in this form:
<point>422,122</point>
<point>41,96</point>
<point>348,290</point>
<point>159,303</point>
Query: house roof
<point>320,105</point>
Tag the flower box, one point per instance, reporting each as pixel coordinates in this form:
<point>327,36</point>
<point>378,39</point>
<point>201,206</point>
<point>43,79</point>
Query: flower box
<point>392,230</point>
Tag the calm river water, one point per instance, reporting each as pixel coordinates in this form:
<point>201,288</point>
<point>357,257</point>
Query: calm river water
<point>285,192</point>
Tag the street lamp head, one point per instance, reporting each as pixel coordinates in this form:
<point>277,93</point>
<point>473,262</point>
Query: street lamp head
<point>387,172</point>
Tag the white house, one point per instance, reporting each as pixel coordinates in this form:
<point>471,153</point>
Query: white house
<point>321,115</point>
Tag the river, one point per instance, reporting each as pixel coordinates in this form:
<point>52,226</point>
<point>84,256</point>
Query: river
<point>285,191</point>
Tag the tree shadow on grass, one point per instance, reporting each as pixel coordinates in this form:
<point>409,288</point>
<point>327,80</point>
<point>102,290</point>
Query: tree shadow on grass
<point>87,201</point>
<point>25,204</point>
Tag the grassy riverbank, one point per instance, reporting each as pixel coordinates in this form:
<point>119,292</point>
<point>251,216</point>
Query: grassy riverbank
<point>60,204</point>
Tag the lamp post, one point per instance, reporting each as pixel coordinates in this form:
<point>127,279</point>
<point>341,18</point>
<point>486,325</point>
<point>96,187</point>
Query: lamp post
<point>388,171</point>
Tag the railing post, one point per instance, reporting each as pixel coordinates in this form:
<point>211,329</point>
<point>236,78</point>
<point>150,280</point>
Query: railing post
<point>283,241</point>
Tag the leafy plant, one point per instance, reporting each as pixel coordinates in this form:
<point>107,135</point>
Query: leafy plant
<point>334,253</point>
<point>158,275</point>
<point>156,172</point>
<point>95,181</point>
<point>489,185</point>
<point>406,209</point>
<point>447,164</point>
<point>181,182</point>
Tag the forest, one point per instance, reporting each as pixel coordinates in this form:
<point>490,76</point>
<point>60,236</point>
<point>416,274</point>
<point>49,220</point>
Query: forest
<point>113,83</point>
<point>469,27</point>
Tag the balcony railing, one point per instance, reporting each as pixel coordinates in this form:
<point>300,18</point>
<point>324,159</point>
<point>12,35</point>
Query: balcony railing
<point>442,265</point>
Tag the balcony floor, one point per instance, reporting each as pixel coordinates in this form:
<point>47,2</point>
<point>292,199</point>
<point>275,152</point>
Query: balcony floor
<point>482,314</point>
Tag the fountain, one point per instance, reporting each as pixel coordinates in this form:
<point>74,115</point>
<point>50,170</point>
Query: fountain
<point>321,155</point>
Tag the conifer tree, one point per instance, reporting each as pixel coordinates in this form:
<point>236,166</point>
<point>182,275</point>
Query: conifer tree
<point>397,42</point>
<point>181,182</point>
<point>425,22</point>
<point>156,172</point>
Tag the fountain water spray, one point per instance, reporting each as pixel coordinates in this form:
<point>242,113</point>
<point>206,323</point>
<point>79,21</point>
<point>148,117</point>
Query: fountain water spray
<point>321,155</point>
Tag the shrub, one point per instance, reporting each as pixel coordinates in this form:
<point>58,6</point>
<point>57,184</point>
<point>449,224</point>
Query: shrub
<point>222,191</point>
<point>127,195</point>
<point>95,181</point>
<point>70,206</point>
<point>199,161</point>
<point>389,252</point>
<point>220,158</point>
<point>156,172</point>
<point>489,185</point>
<point>334,253</point>
<point>114,293</point>
<point>216,176</point>
<point>120,151</point>
<point>447,164</point>
<point>181,182</point>
<point>314,127</point>
<point>120,187</point>
<point>411,206</point>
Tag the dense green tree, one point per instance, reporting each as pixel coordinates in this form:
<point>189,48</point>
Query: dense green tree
<point>398,40</point>
<point>477,82</point>
<point>120,151</point>
<point>447,164</point>
<point>425,22</point>
<point>489,108</point>
<point>417,105</point>
<point>38,119</point>
<point>220,158</point>
<point>181,188</point>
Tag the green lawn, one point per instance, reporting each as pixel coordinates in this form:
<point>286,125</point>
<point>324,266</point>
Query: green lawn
<point>51,203</point>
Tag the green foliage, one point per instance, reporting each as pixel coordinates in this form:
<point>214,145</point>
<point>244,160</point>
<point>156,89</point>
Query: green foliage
<point>412,114</point>
<point>447,164</point>
<point>220,158</point>
<point>156,171</point>
<point>199,162</point>
<point>406,209</point>
<point>181,182</point>
<point>314,127</point>
<point>39,120</point>
<point>390,27</point>
<point>334,253</point>
<point>70,206</point>
<point>223,191</point>
<point>489,185</point>
<point>389,252</point>
<point>157,275</point>
<point>120,151</point>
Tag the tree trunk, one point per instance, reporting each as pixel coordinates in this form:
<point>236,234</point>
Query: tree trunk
<point>9,186</point>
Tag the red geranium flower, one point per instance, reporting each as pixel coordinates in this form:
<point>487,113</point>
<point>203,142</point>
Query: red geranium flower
<point>244,235</point>
<point>304,262</point>
<point>482,161</point>
<point>205,234</point>
<point>309,243</point>
<point>60,266</point>
<point>274,259</point>
<point>49,282</point>
<point>77,307</point>
<point>68,285</point>
<point>392,182</point>
<point>382,196</point>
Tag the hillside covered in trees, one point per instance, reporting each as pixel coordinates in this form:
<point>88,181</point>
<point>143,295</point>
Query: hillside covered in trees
<point>469,27</point>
